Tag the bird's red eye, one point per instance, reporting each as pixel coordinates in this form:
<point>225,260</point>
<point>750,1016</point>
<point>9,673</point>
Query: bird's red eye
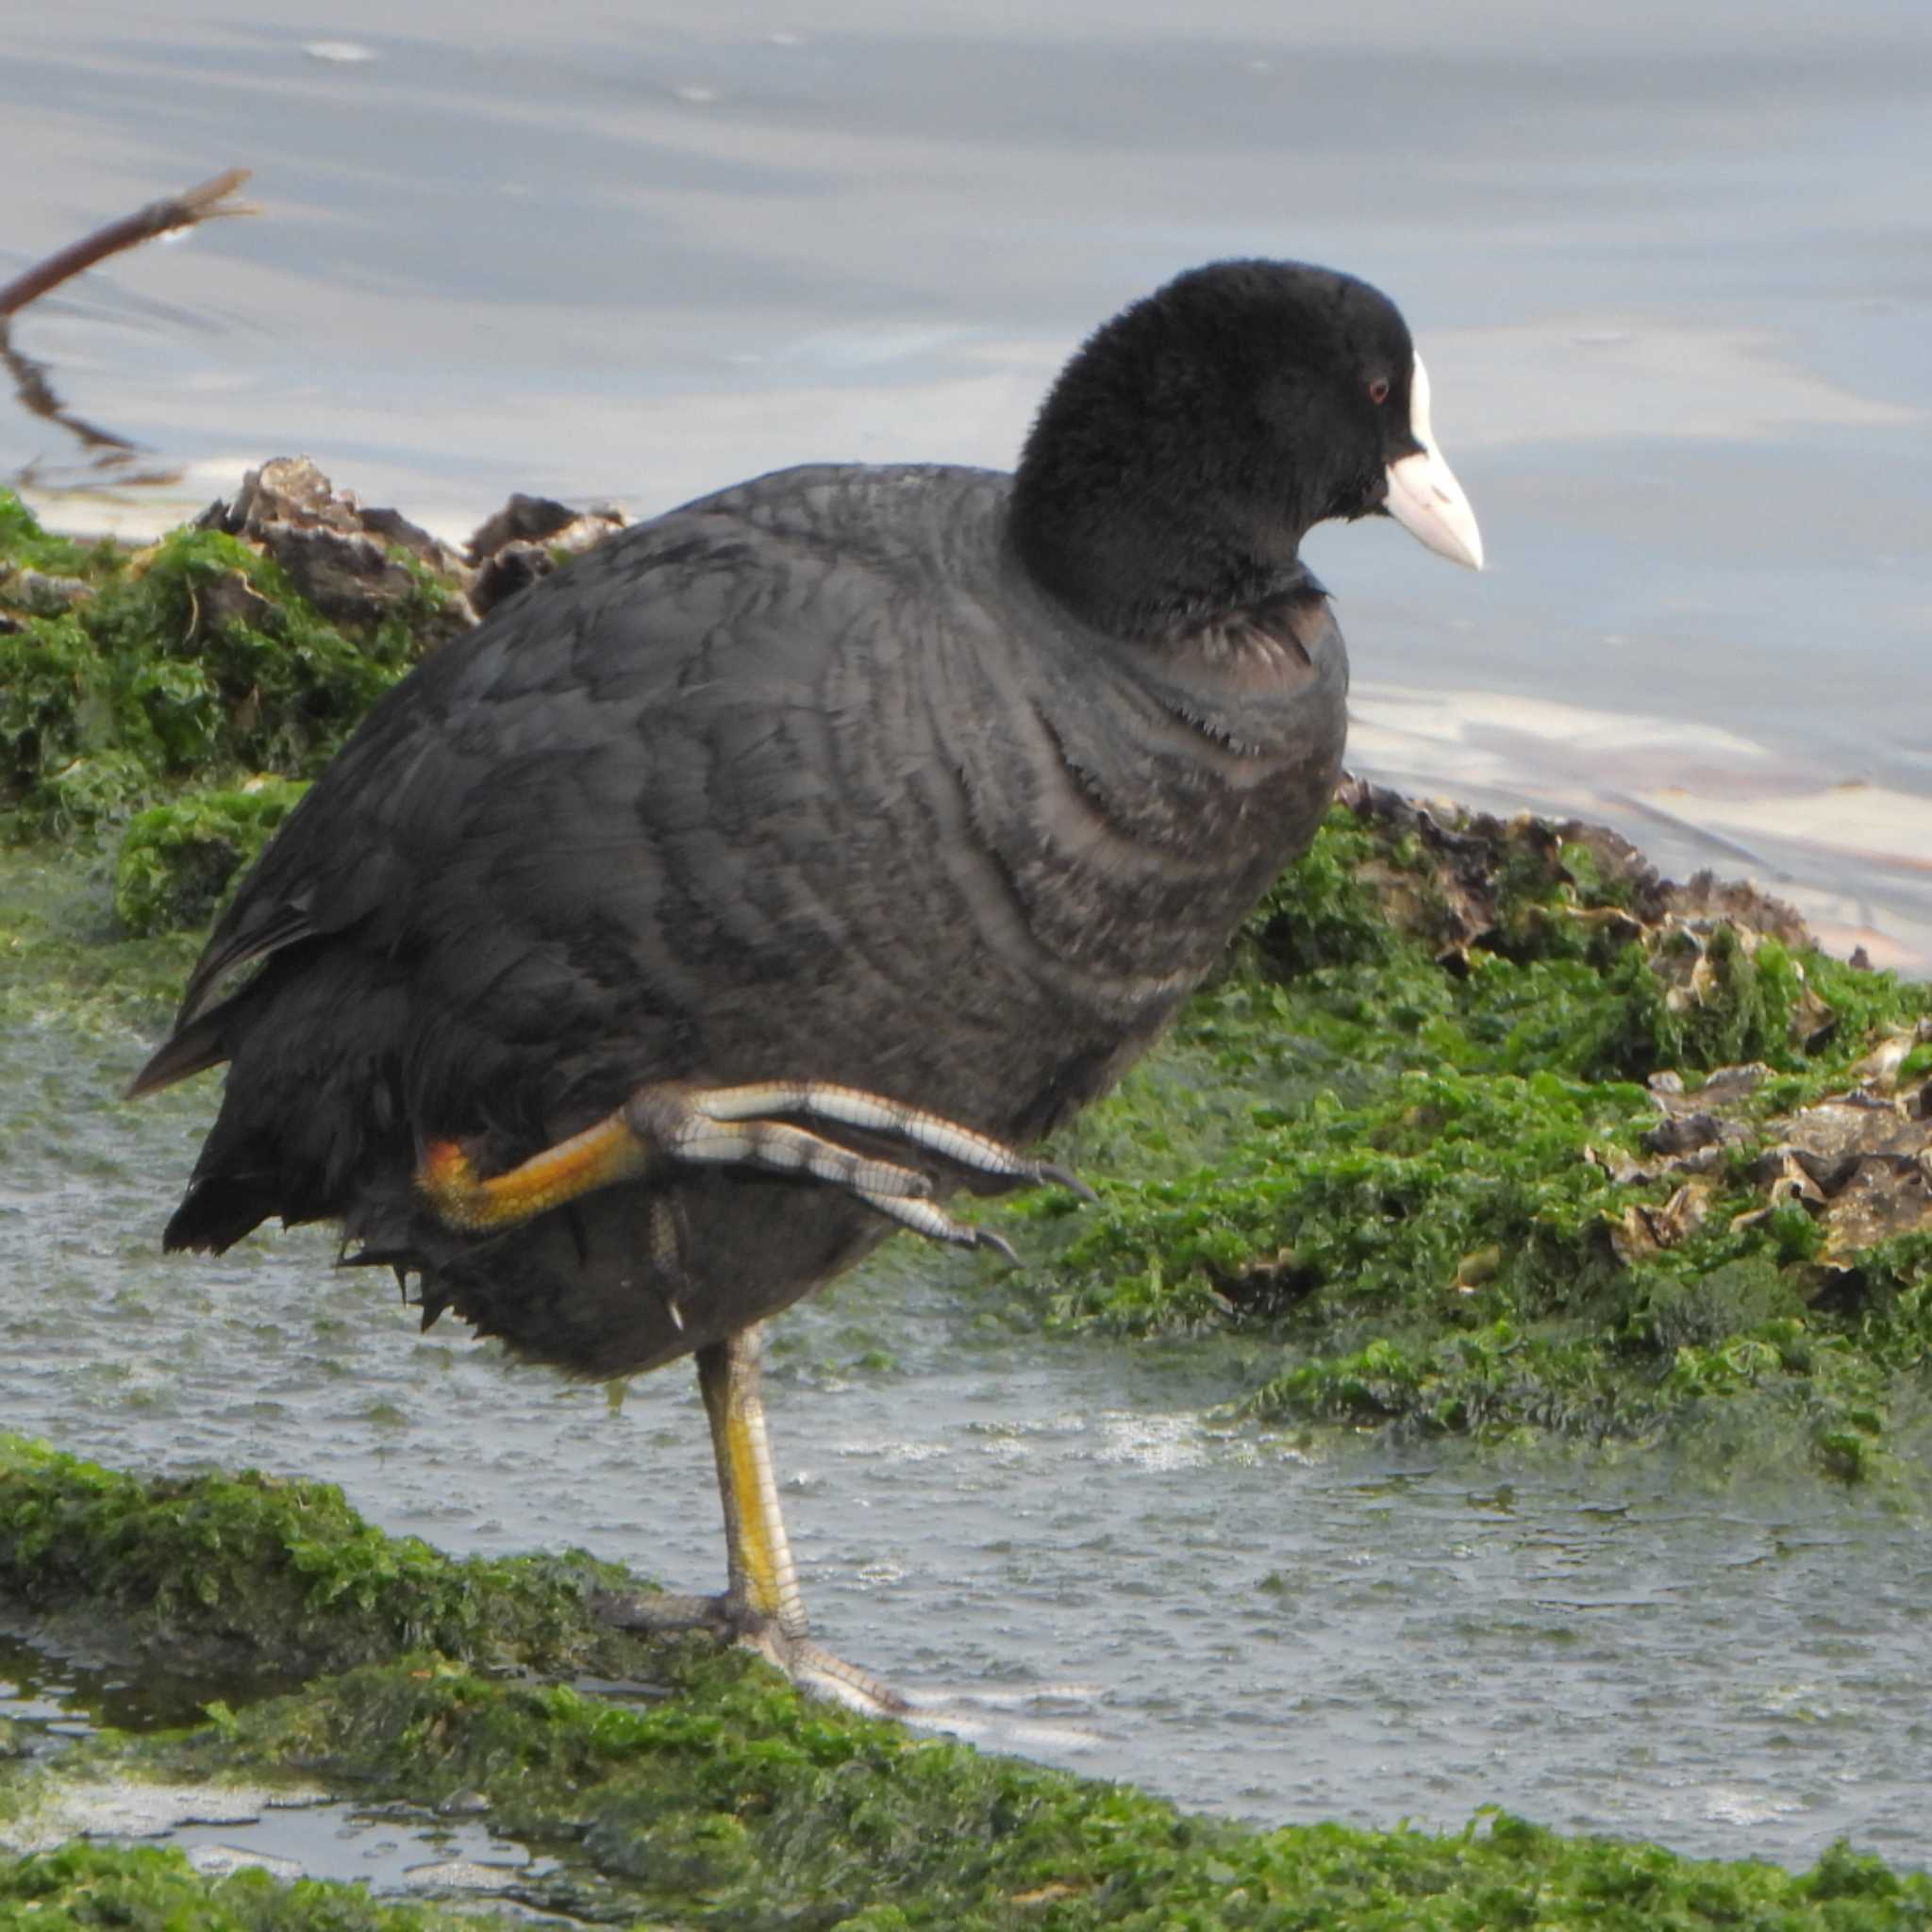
<point>1378,391</point>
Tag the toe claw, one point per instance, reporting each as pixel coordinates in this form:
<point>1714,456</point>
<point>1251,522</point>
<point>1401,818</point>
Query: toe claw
<point>1051,1171</point>
<point>986,1238</point>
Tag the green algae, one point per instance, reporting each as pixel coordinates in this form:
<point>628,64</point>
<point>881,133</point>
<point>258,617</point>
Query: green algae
<point>254,1575</point>
<point>194,659</point>
<point>704,1791</point>
<point>734,1803</point>
<point>107,1889</point>
<point>726,1800</point>
<point>1501,1872</point>
<point>1415,1153</point>
<point>153,734</point>
<point>178,860</point>
<point>192,667</point>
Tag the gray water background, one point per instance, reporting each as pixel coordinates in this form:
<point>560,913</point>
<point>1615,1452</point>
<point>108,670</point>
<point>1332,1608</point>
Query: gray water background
<point>1672,272</point>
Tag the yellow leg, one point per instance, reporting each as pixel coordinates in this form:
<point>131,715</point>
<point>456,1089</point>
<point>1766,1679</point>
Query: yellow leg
<point>763,1608</point>
<point>763,1582</point>
<point>598,1157</point>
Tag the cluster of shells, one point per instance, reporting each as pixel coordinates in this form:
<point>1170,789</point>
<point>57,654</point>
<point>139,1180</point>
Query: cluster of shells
<point>347,559</point>
<point>1860,1162</point>
<point>26,593</point>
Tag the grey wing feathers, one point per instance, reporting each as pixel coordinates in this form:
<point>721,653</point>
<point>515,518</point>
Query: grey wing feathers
<point>325,868</point>
<point>369,834</point>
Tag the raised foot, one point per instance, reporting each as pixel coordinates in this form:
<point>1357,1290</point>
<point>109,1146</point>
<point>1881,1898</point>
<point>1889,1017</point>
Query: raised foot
<point>667,1123</point>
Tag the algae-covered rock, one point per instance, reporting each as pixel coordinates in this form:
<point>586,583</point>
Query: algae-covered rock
<point>1500,1872</point>
<point>250,643</point>
<point>178,860</point>
<point>1475,1105</point>
<point>193,659</point>
<point>138,1889</point>
<point>705,1792</point>
<point>198,659</point>
<point>261,1576</point>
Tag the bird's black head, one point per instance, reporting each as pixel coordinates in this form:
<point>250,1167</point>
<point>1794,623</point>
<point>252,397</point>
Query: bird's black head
<point>1177,463</point>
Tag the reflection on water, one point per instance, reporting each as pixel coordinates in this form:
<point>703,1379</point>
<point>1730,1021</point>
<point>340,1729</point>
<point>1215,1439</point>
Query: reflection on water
<point>288,1833</point>
<point>1363,1634</point>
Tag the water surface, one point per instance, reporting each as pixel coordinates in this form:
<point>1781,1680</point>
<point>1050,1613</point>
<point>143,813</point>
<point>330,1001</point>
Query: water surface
<point>1670,271</point>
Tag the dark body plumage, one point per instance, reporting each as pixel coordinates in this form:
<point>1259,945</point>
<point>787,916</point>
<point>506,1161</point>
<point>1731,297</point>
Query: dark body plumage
<point>757,786</point>
<point>928,781</point>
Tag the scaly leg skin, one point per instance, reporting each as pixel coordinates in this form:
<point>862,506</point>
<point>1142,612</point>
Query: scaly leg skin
<point>734,1126</point>
<point>761,1608</point>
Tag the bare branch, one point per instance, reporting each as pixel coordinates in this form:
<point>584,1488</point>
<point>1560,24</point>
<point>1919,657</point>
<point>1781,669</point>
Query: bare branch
<point>209,201</point>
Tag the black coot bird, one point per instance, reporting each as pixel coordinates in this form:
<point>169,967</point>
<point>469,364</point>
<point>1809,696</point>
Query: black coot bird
<point>791,861</point>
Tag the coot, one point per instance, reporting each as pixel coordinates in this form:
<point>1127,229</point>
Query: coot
<point>791,862</point>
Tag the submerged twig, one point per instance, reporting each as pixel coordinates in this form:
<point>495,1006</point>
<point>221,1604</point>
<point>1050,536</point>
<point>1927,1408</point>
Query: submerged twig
<point>37,397</point>
<point>209,201</point>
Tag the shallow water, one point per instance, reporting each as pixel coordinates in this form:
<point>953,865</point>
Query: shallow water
<point>1670,270</point>
<point>1129,1588</point>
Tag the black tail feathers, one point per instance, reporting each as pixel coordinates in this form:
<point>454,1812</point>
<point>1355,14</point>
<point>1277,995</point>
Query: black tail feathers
<point>200,1044</point>
<point>217,1210</point>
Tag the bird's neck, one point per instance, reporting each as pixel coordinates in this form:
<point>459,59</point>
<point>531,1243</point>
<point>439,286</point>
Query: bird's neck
<point>1142,560</point>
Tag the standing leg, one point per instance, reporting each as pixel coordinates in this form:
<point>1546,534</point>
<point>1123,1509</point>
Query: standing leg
<point>762,1608</point>
<point>763,1588</point>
